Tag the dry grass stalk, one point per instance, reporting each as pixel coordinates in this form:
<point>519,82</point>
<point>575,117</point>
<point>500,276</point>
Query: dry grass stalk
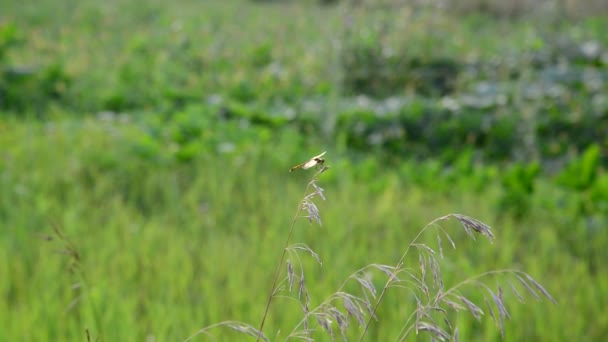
<point>75,266</point>
<point>312,213</point>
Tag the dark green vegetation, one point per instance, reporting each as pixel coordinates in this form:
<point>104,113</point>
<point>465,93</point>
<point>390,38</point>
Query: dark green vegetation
<point>158,136</point>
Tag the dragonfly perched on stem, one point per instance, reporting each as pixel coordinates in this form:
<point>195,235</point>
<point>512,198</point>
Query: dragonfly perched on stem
<point>314,161</point>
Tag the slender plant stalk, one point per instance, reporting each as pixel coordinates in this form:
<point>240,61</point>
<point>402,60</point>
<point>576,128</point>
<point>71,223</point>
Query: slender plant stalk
<point>93,307</point>
<point>74,254</point>
<point>277,272</point>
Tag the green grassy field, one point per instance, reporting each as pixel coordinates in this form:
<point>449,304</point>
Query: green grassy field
<point>169,249</point>
<point>179,218</point>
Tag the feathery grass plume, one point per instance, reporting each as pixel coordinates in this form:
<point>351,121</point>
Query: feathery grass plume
<point>234,325</point>
<point>342,310</point>
<point>540,288</point>
<point>494,302</point>
<point>433,329</point>
<point>291,276</point>
<point>431,297</point>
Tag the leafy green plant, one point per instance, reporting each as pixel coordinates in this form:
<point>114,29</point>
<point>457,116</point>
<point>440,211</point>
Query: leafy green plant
<point>581,173</point>
<point>586,185</point>
<point>518,187</point>
<point>24,88</point>
<point>8,39</point>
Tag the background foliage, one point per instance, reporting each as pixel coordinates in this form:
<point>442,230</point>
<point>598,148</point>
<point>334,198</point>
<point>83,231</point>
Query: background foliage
<point>157,135</point>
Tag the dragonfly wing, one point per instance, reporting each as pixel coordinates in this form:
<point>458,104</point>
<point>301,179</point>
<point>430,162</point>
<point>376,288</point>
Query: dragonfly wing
<point>309,164</point>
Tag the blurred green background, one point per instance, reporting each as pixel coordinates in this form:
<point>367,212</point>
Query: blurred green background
<point>157,136</point>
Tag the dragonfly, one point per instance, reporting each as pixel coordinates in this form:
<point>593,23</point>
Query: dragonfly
<point>314,161</point>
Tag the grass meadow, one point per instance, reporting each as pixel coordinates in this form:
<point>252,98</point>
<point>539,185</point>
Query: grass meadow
<point>127,213</point>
